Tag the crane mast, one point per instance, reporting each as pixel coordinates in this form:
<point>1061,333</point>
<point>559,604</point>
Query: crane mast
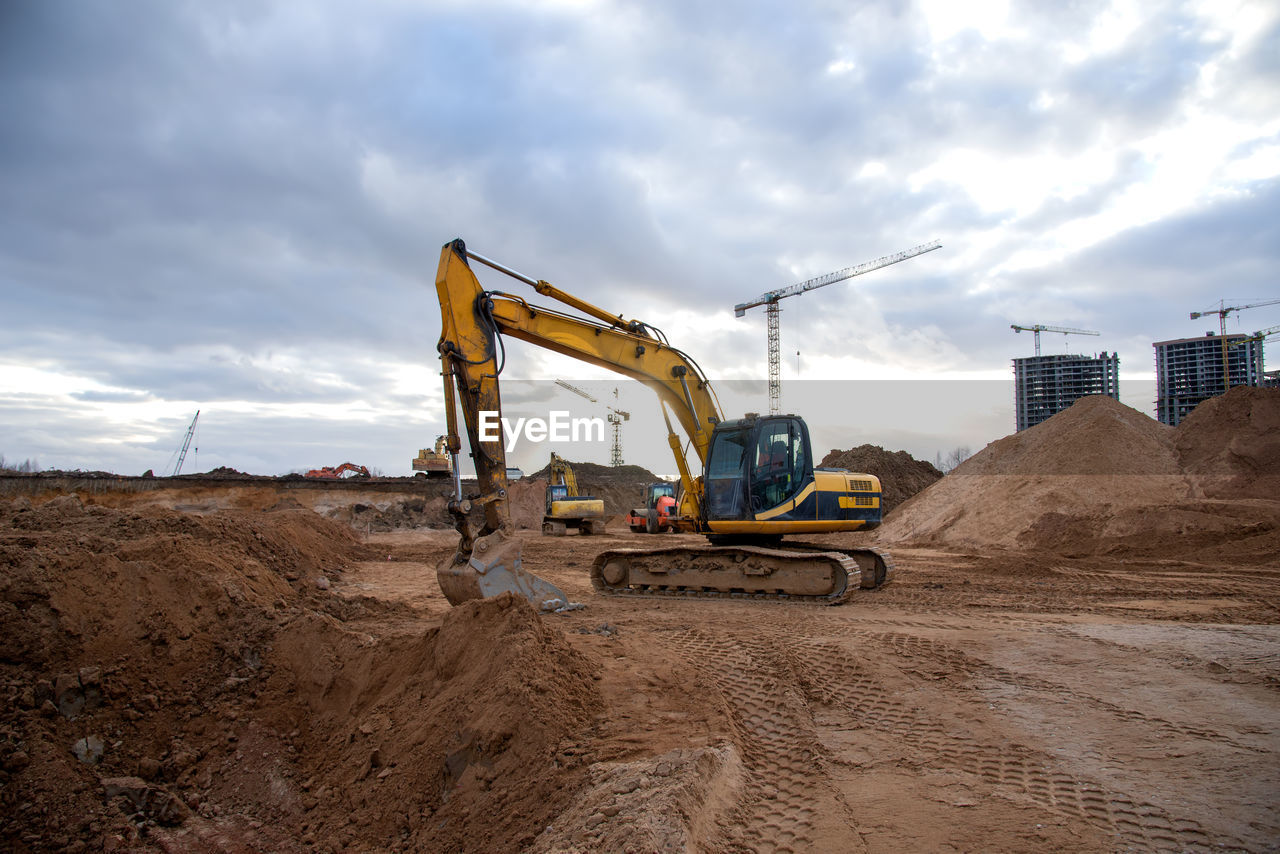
<point>615,418</point>
<point>770,299</point>
<point>186,443</point>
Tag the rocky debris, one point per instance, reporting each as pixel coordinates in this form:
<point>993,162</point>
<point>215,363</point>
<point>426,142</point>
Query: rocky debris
<point>901,475</point>
<point>89,749</point>
<point>147,801</point>
<point>604,629</point>
<point>72,694</point>
<point>15,762</point>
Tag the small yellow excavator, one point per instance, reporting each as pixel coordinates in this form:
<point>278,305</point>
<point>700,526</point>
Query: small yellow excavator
<point>757,483</point>
<point>565,507</point>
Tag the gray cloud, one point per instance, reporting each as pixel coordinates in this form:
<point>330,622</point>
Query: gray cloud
<point>244,204</point>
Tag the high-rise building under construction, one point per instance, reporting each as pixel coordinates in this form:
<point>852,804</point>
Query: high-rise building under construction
<point>1190,370</point>
<point>1046,385</point>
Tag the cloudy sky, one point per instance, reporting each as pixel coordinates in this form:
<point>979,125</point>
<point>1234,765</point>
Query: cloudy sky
<point>238,207</point>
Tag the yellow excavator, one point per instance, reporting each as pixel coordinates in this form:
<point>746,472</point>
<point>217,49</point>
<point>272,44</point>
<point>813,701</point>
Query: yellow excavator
<point>757,482</point>
<point>565,507</point>
<point>433,463</point>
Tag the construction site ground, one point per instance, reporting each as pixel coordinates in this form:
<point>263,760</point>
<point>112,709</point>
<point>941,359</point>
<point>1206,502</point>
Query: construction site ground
<point>1066,661</point>
<point>979,703</point>
<point>994,702</point>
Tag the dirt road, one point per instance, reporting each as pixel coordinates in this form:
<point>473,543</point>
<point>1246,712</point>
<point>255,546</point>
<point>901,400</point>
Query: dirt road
<point>995,703</point>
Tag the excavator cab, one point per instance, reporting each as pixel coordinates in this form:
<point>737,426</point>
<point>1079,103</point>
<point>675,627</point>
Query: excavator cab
<point>756,468</point>
<point>556,492</point>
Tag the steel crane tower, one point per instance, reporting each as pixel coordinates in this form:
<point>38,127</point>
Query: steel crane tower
<point>1222,311</point>
<point>1038,328</point>
<point>615,418</point>
<point>770,299</point>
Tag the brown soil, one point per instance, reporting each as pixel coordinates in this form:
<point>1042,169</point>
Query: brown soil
<point>594,473</point>
<point>376,505</point>
<point>1233,443</point>
<point>209,658</point>
<point>268,680</point>
<point>1101,478</point>
<point>901,475</point>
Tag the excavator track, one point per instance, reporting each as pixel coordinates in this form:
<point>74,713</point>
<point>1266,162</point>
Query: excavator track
<point>797,572</point>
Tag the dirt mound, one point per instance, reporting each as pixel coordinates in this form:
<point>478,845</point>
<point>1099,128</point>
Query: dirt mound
<point>1096,435</point>
<point>1101,478</point>
<point>901,475</point>
<point>459,739</point>
<point>596,473</point>
<point>621,488</point>
<point>1235,437</point>
<point>178,682</point>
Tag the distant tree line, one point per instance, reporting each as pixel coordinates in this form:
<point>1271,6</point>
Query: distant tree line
<point>24,467</point>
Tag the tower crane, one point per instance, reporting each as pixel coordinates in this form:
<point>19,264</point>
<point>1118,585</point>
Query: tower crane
<point>1222,311</point>
<point>770,299</point>
<point>1037,328</point>
<point>1259,335</point>
<point>615,418</point>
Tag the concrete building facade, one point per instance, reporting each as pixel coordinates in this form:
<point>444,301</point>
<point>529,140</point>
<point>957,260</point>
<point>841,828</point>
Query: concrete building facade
<point>1046,385</point>
<point>1189,370</point>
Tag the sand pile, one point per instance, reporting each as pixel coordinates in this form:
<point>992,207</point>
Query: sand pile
<point>1103,478</point>
<point>176,682</point>
<point>1097,435</point>
<point>1233,443</point>
<point>901,475</point>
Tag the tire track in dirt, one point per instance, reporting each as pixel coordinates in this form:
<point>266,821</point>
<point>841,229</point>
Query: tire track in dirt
<point>931,650</point>
<point>833,677</point>
<point>954,660</point>
<point>785,788</point>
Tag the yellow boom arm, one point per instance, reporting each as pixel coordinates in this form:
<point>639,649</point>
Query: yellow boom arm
<point>472,323</point>
<point>473,317</point>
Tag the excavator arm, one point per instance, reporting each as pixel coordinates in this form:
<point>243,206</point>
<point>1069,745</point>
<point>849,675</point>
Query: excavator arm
<point>472,354</point>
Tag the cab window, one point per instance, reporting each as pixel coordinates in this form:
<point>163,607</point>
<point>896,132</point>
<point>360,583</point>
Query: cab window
<point>779,465</point>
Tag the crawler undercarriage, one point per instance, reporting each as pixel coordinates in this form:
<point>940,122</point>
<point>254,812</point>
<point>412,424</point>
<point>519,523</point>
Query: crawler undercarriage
<point>795,571</point>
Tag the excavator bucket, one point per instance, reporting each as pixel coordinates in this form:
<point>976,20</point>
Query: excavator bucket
<point>494,567</point>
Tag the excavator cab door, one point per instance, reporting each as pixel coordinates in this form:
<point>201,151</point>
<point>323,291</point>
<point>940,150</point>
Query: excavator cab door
<point>782,464</point>
<point>725,474</point>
